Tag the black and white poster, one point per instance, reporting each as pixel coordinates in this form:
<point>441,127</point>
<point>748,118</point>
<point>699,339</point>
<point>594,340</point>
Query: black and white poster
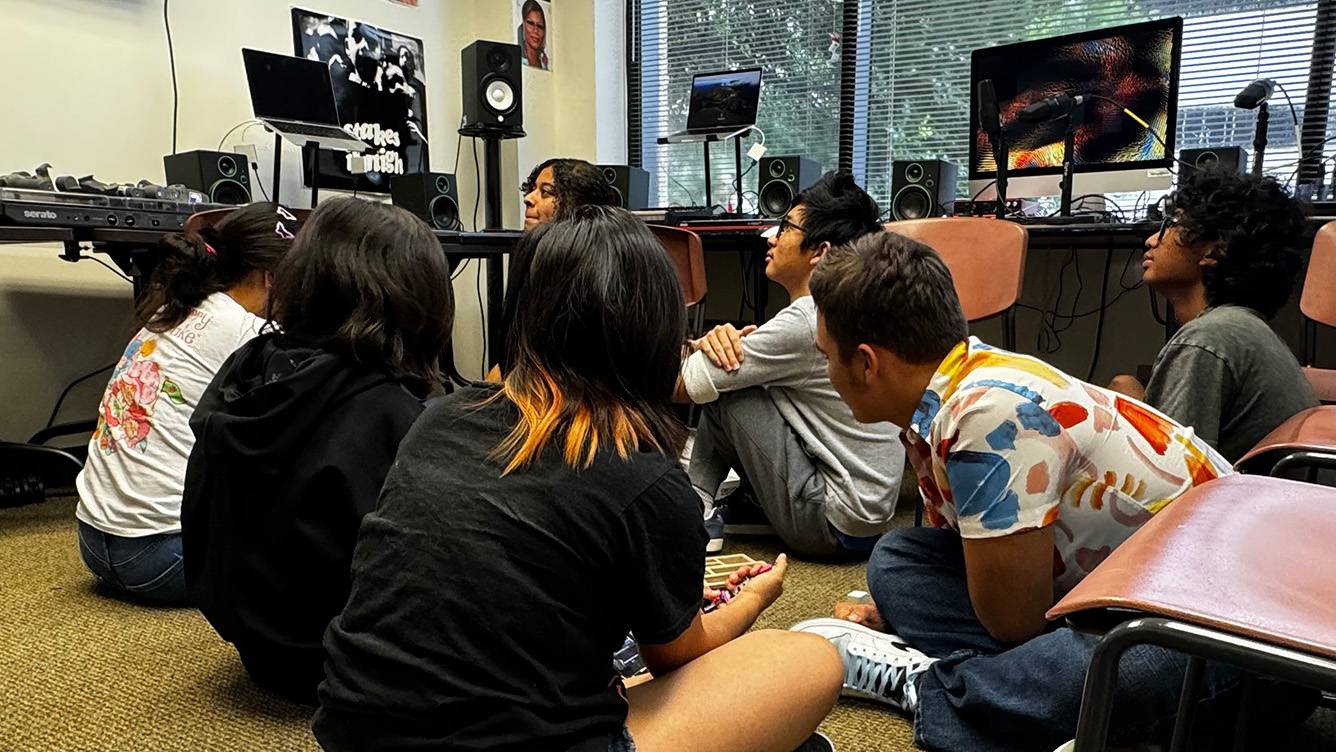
<point>380,88</point>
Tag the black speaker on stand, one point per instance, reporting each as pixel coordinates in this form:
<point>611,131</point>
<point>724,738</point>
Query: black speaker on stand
<point>1229,158</point>
<point>493,111</point>
<point>433,196</point>
<point>630,183</point>
<point>922,188</point>
<point>221,175</point>
<point>781,180</point>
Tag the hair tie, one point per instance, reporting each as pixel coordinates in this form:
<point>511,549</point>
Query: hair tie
<point>210,250</point>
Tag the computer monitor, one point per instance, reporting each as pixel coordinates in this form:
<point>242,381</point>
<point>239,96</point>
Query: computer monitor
<point>290,88</point>
<point>724,100</point>
<point>1136,66</point>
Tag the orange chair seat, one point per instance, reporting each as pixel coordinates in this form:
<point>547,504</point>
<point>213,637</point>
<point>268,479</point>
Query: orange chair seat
<point>1313,429</point>
<point>1247,555</point>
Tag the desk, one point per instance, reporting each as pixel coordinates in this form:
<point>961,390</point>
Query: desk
<point>136,253</point>
<point>745,237</point>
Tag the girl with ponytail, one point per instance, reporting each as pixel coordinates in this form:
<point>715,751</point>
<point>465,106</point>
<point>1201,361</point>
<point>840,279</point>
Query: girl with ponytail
<point>204,300</point>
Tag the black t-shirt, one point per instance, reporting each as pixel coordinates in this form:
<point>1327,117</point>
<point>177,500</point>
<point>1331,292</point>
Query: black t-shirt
<point>485,609</point>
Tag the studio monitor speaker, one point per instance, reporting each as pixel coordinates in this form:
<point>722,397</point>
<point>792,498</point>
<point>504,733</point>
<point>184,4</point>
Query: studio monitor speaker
<point>780,182</point>
<point>221,175</point>
<point>630,183</point>
<point>493,88</point>
<point>433,196</point>
<point>922,188</point>
<point>1228,158</point>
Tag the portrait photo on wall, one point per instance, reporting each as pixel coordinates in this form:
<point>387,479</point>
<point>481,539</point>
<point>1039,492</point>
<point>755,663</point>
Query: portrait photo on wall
<point>380,89</point>
<point>534,22</point>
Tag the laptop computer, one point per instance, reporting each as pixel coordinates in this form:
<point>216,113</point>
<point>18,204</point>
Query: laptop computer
<point>294,96</point>
<point>723,105</point>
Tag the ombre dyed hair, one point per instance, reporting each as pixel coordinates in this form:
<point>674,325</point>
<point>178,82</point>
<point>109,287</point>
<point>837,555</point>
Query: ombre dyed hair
<point>595,344</point>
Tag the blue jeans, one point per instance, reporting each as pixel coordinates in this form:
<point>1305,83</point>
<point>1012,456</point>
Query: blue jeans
<point>147,569</point>
<point>982,695</point>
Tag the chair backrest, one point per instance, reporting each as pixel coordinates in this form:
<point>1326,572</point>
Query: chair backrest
<point>1313,429</point>
<point>986,258</point>
<point>1318,301</point>
<point>688,256</point>
<point>1245,554</point>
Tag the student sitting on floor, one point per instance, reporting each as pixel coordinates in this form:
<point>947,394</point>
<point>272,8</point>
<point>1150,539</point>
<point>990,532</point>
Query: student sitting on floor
<point>826,484</point>
<point>1226,258</point>
<point>200,306</point>
<point>528,526</point>
<point>295,435</point>
<point>1029,477</point>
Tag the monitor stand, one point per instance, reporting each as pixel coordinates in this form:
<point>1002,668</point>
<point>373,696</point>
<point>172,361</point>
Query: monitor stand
<point>736,137</point>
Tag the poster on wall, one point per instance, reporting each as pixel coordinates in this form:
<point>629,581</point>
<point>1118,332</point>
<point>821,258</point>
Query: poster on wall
<point>533,19</point>
<point>380,88</point>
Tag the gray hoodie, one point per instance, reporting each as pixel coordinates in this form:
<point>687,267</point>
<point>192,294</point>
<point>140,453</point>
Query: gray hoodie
<point>861,463</point>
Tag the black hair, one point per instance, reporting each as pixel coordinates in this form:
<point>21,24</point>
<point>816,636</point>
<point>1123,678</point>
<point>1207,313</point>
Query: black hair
<point>196,264</point>
<point>368,281</point>
<point>837,211</point>
<point>1258,228</point>
<point>597,341</point>
<point>576,183</point>
<point>517,276</point>
<point>888,290</point>
<point>531,6</point>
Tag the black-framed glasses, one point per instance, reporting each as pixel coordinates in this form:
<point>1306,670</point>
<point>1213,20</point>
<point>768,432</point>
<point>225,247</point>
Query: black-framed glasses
<point>786,224</point>
<point>1168,221</point>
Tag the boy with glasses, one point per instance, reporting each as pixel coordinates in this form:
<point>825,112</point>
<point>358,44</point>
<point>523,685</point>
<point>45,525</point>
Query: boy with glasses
<point>824,483</point>
<point>1226,258</point>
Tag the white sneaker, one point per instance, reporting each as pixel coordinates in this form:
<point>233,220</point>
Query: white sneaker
<point>877,666</point>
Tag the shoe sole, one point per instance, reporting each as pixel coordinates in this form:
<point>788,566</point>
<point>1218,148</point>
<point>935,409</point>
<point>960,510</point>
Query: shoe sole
<point>844,624</point>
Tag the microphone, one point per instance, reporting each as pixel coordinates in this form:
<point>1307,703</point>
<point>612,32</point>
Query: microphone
<point>1050,108</point>
<point>1255,93</point>
<point>990,117</point>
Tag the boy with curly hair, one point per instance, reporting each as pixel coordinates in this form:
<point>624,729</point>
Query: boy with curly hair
<point>1226,258</point>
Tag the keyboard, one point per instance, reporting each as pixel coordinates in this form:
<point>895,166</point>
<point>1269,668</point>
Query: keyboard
<point>312,129</point>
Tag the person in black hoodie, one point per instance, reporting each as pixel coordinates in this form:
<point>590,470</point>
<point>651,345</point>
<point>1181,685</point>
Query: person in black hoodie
<point>295,435</point>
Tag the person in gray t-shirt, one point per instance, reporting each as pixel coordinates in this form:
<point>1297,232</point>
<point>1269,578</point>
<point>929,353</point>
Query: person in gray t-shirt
<point>1226,258</point>
<point>826,483</point>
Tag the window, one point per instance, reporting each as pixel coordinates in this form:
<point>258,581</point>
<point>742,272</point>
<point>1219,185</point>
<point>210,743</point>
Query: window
<point>918,103</point>
<point>912,86</point>
<point>795,42</point>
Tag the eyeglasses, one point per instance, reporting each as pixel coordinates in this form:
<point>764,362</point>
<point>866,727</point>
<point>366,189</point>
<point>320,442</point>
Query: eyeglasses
<point>1169,221</point>
<point>784,225</point>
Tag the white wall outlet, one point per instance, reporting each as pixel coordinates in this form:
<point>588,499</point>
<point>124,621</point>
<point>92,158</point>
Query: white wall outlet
<point>756,152</point>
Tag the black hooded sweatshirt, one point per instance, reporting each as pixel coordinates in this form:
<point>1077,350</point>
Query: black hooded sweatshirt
<point>292,445</point>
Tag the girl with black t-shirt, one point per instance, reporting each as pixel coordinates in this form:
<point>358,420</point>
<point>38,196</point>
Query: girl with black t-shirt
<point>526,527</point>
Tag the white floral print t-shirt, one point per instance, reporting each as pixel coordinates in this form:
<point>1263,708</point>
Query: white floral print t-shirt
<point>131,484</point>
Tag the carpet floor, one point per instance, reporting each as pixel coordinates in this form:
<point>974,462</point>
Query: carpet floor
<point>81,671</point>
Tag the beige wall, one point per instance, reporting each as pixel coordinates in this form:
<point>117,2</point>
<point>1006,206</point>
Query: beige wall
<point>90,92</point>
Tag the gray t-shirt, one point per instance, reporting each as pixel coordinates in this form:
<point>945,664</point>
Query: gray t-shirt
<point>861,463</point>
<point>1228,375</point>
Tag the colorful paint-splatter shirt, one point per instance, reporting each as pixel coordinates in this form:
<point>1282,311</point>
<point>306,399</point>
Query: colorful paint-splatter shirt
<point>1004,443</point>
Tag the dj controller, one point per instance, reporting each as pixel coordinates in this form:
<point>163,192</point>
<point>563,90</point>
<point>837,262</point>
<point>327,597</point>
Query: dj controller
<point>38,200</point>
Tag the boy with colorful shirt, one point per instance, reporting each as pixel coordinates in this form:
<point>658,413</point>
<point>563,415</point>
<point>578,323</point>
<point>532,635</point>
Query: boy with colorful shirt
<point>1029,477</point>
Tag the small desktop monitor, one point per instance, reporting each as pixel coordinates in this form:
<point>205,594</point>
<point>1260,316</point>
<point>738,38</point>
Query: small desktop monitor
<point>1136,66</point>
<point>725,100</point>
